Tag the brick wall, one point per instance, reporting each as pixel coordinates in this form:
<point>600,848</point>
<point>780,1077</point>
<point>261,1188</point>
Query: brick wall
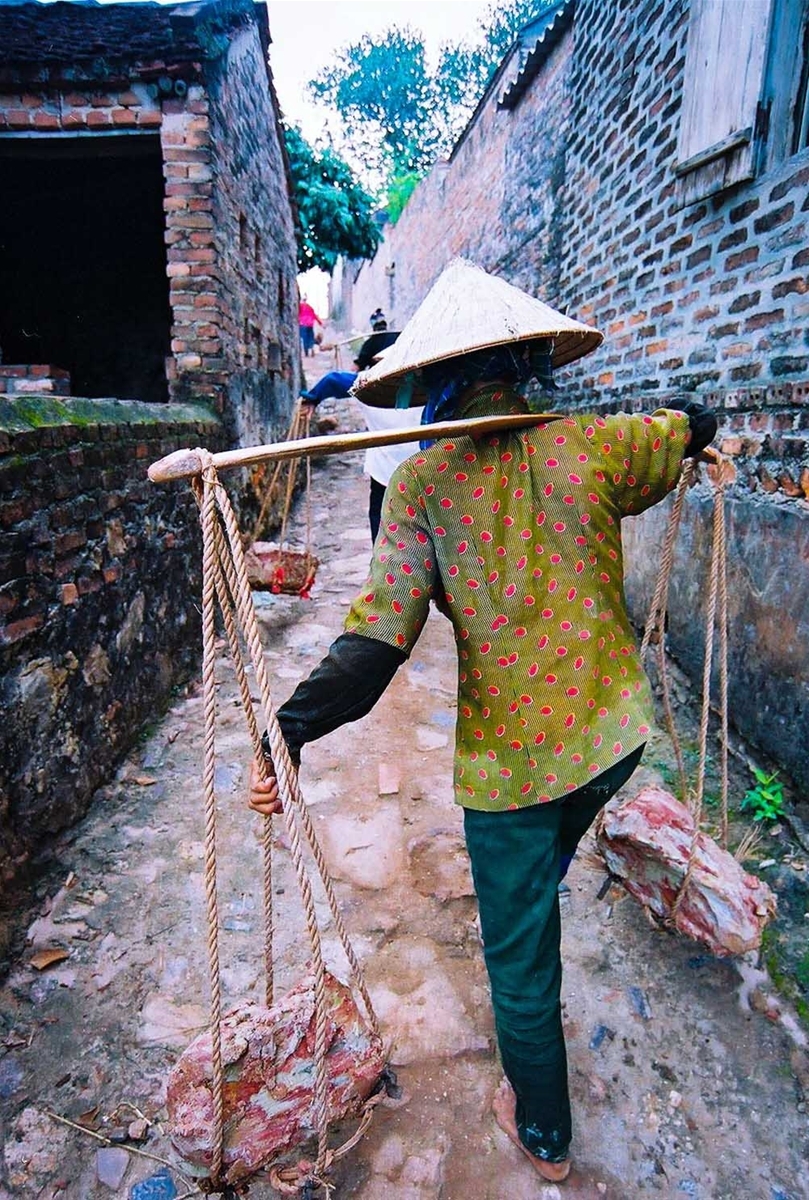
<point>99,571</point>
<point>229,236</point>
<point>33,378</point>
<point>255,243</point>
<point>699,296</point>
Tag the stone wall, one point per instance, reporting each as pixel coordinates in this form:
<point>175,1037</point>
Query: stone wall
<point>99,575</point>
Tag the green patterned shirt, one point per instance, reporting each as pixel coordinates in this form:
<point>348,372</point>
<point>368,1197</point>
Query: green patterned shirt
<point>517,537</point>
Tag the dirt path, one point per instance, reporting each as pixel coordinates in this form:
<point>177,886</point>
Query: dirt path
<point>679,1090</point>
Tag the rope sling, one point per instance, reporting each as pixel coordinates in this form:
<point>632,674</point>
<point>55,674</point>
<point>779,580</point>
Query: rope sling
<point>281,568</point>
<point>716,615</point>
<point>225,581</point>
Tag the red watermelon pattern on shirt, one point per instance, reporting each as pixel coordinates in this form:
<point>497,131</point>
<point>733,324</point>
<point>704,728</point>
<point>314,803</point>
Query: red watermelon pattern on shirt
<point>517,538</point>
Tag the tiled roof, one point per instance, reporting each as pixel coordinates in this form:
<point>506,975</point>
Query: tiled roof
<point>95,40</point>
<point>538,38</point>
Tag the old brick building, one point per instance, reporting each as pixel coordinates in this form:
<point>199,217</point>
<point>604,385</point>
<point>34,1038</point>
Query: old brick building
<point>645,165</point>
<point>147,242</point>
<point>148,301</point>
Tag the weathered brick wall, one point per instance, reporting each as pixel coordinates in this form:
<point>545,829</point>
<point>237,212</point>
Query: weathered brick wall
<point>99,571</point>
<point>763,431</point>
<point>690,297</point>
<point>255,246</point>
<point>34,378</point>
<point>496,202</point>
<point>37,110</point>
<point>229,235</point>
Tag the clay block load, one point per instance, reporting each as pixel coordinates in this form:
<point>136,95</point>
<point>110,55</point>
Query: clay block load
<point>646,842</point>
<point>268,1056</point>
<point>271,568</point>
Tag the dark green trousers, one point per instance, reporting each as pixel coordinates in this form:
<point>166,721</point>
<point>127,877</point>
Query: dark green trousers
<point>518,858</point>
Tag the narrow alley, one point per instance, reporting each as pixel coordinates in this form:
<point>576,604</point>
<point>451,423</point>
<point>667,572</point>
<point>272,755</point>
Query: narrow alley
<point>679,1089</point>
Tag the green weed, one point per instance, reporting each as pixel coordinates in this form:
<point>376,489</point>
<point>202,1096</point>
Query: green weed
<point>766,799</point>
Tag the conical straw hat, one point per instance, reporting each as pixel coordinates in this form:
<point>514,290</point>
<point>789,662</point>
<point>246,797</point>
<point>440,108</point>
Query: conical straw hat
<point>467,309</point>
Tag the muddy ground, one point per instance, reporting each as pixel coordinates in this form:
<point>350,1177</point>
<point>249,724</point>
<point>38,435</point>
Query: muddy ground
<point>680,1086</point>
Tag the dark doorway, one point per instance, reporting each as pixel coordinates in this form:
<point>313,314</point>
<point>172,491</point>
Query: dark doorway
<point>83,263</point>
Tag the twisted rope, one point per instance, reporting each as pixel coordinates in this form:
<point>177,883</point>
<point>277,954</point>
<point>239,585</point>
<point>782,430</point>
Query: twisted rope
<point>269,494</point>
<point>278,746</point>
<point>723,657</point>
<point>226,585</point>
<point>717,573</point>
<point>656,621</point>
<point>224,575</point>
<point>208,516</point>
<point>289,1180</point>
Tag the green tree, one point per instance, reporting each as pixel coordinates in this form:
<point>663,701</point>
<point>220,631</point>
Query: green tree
<point>335,213</point>
<point>397,114</point>
<point>400,189</point>
<point>465,69</point>
<point>386,99</point>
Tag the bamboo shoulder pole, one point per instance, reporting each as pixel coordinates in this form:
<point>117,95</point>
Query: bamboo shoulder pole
<point>184,464</point>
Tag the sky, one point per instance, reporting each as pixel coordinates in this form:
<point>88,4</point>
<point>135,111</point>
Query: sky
<point>307,33</point>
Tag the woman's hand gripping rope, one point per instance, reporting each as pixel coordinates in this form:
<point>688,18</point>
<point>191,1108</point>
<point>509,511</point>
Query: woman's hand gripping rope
<point>263,788</point>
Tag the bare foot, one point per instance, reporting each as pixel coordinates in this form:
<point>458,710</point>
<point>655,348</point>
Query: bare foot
<point>504,1107</point>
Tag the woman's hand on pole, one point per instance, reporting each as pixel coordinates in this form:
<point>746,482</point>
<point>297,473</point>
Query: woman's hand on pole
<point>263,792</point>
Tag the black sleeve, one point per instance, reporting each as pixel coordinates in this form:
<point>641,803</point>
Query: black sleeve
<point>343,687</point>
<point>367,350</point>
<point>703,427</point>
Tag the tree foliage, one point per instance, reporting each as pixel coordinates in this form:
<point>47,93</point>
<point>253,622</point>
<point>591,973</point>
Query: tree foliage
<point>336,214</point>
<point>386,98</point>
<point>398,114</point>
<point>400,189</point>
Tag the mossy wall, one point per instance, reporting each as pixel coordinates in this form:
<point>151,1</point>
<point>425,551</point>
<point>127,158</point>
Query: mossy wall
<point>99,587</point>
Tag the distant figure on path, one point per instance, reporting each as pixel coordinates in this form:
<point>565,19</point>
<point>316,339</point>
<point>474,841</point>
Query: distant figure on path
<point>307,319</point>
<point>380,461</point>
<point>516,536</point>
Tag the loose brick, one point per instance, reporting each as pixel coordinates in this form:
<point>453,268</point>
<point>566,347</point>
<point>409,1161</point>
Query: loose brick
<point>787,287</point>
<point>741,303</point>
<point>46,120</point>
<point>772,220</point>
<point>761,320</point>
<point>741,212</point>
<point>17,630</point>
<point>735,238</point>
<point>741,258</point>
<point>798,180</point>
<point>789,364</point>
